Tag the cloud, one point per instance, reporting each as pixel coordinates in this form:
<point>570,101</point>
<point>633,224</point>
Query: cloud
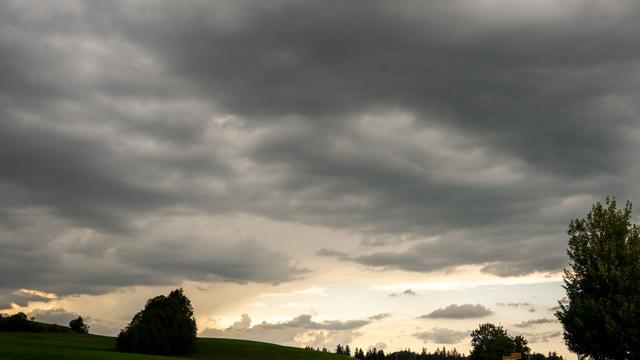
<point>301,330</point>
<point>541,336</point>
<point>442,336</point>
<point>515,305</point>
<point>58,316</point>
<point>408,292</point>
<point>62,316</point>
<point>241,325</point>
<point>534,322</point>
<point>22,297</point>
<point>380,316</point>
<point>497,257</point>
<point>332,253</point>
<point>465,311</point>
<point>167,250</point>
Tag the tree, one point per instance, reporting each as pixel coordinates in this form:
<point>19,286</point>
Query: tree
<point>492,342</point>
<point>603,284</point>
<point>520,345</point>
<point>165,326</point>
<point>15,322</point>
<point>79,326</point>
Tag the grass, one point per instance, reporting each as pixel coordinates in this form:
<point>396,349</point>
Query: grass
<point>70,346</point>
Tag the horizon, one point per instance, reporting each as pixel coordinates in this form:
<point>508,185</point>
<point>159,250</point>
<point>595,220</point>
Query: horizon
<point>312,174</point>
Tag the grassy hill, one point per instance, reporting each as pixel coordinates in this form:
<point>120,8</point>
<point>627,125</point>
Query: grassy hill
<point>71,346</point>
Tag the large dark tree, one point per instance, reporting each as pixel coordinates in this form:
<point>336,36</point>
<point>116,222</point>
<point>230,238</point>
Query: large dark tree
<point>603,284</point>
<point>165,326</point>
<point>492,342</point>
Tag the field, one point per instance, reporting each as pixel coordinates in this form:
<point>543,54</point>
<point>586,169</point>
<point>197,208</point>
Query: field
<point>69,346</point>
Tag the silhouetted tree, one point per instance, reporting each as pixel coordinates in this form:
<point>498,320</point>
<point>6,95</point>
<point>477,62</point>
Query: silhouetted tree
<point>79,326</point>
<point>603,284</point>
<point>165,326</point>
<point>491,342</point>
<point>374,354</point>
<point>520,345</point>
<point>347,351</point>
<point>15,322</point>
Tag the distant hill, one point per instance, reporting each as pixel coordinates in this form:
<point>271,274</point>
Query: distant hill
<point>72,346</point>
<point>20,323</point>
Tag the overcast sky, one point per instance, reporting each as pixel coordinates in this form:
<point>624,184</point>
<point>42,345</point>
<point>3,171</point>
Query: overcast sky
<point>388,173</point>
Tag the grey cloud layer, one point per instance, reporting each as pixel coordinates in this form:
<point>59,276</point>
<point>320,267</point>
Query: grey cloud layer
<point>473,134</point>
<point>453,311</point>
<point>167,250</point>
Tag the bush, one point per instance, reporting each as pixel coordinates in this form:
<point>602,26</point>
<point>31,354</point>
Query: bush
<point>79,326</point>
<point>165,326</point>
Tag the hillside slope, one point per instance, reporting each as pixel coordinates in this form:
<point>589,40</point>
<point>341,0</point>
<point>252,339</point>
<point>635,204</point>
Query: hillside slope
<point>57,346</point>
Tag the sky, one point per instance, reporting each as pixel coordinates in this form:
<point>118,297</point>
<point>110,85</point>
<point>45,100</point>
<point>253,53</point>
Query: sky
<point>371,173</point>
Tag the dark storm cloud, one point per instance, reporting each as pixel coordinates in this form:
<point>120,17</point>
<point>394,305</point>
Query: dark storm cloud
<point>504,258</point>
<point>528,84</point>
<point>530,90</point>
<point>70,174</point>
<point>82,261</point>
<point>469,133</point>
<point>453,311</point>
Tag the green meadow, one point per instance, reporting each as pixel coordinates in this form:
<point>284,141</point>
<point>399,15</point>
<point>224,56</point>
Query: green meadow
<point>71,346</point>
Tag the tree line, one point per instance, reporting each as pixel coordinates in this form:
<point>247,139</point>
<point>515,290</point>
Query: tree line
<point>489,342</point>
<point>378,354</point>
